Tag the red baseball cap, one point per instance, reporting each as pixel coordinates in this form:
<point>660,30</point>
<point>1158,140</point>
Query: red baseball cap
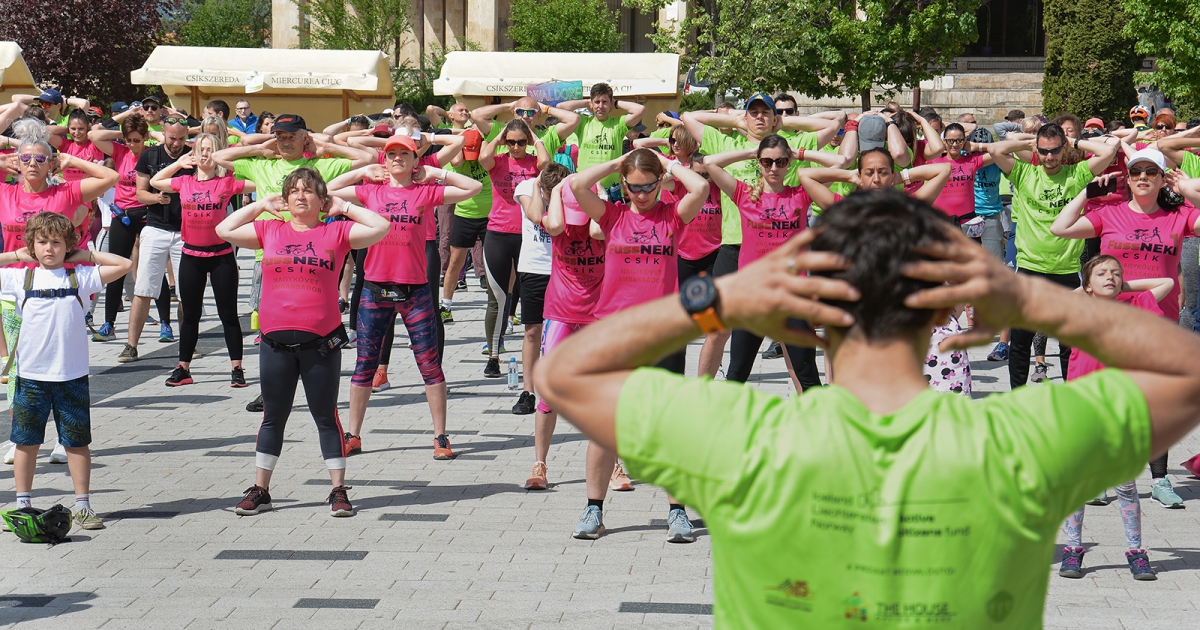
<point>402,143</point>
<point>382,130</point>
<point>474,141</point>
<point>1094,122</point>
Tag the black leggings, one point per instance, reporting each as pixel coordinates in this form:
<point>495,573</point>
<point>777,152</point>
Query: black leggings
<point>744,347</point>
<point>433,269</point>
<point>192,278</point>
<point>121,238</point>
<point>1021,341</point>
<point>279,372</point>
<point>500,255</point>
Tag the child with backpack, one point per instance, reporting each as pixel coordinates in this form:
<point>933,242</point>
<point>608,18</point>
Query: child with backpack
<point>52,290</point>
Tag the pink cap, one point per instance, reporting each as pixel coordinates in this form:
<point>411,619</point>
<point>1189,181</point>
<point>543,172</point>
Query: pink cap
<point>571,212</point>
<point>1094,122</point>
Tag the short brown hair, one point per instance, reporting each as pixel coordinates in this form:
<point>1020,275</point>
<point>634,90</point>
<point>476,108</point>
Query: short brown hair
<point>1092,263</point>
<point>552,175</point>
<point>307,175</point>
<point>51,224</point>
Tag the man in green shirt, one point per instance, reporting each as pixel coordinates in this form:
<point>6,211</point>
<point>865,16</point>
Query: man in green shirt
<point>602,135</point>
<point>878,499</point>
<point>1040,193</point>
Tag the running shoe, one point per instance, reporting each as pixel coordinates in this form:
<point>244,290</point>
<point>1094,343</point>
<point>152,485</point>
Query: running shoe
<point>353,343</point>
<point>339,502</point>
<point>1039,373</point>
<point>486,350</point>
<point>88,322</point>
<point>165,335</point>
<point>1162,492</point>
<point>1139,565</point>
<point>353,444</point>
<point>150,321</point>
<point>462,284</point>
<point>679,528</point>
<point>256,405</point>
<point>11,455</point>
<point>179,376</point>
<point>1072,563</point>
<point>380,382</point>
<point>619,481</point>
<point>343,306</point>
<point>537,477</point>
<point>128,355</point>
<point>87,519</point>
<point>1101,499</point>
<point>525,405</point>
<point>257,339</point>
<point>492,369</point>
<point>58,455</point>
<point>441,447</point>
<point>483,283</point>
<point>237,377</point>
<point>256,499</point>
<point>591,524</point>
<point>999,353</point>
<point>447,316</point>
<point>516,321</point>
<point>174,298</point>
<point>773,351</point>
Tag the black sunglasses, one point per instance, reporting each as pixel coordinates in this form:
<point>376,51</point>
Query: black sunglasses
<point>1163,127</point>
<point>778,162</point>
<point>1054,151</point>
<point>516,143</point>
<point>787,111</point>
<point>642,188</point>
<point>1150,172</point>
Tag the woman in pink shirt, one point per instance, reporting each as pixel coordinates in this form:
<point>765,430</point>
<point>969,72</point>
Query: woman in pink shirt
<point>78,144</point>
<point>502,243</point>
<point>300,321</point>
<point>204,199</point>
<point>772,212</point>
<point>957,198</point>
<point>395,278</point>
<point>639,265</point>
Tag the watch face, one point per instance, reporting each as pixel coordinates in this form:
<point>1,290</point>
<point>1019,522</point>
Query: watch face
<point>697,293</point>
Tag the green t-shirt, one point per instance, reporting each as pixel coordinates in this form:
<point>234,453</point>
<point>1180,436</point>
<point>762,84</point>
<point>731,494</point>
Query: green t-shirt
<point>268,176</point>
<point>1190,164</point>
<point>839,188</point>
<point>479,206</point>
<point>1042,197</point>
<point>663,133</point>
<point>806,140</point>
<point>600,142</point>
<point>825,515</point>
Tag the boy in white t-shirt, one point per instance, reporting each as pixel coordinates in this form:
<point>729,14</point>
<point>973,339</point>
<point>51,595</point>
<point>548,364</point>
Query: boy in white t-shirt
<point>52,373</point>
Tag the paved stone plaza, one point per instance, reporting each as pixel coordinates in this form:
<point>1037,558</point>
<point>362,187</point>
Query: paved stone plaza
<point>435,544</point>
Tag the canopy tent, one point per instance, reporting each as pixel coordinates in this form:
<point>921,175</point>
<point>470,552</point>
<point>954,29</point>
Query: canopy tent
<point>477,78</point>
<point>323,86</point>
<point>14,74</point>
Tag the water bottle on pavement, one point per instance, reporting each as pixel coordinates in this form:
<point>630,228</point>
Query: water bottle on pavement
<point>514,381</point>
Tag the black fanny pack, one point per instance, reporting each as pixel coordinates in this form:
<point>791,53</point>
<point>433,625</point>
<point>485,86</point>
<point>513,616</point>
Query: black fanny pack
<point>390,292</point>
<point>332,342</point>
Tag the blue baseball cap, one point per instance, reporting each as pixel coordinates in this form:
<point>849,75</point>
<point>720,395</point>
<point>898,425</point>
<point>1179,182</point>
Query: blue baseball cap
<point>51,96</point>
<point>673,114</point>
<point>120,107</point>
<point>766,99</point>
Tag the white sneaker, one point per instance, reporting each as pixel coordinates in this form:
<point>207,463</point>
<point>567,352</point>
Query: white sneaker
<point>11,455</point>
<point>58,455</point>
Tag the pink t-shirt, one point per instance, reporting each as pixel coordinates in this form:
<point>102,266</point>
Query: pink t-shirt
<point>506,174</point>
<point>125,163</point>
<point>702,236</point>
<point>203,205</point>
<point>300,275</point>
<point>1146,244</point>
<point>16,206</point>
<point>958,196</point>
<point>770,221</point>
<point>639,256</point>
<point>400,257</point>
<point>576,272</point>
<point>431,226</point>
<point>86,151</point>
<point>1082,363</point>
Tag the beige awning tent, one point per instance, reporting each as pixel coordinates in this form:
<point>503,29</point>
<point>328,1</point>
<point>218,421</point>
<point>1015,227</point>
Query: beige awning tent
<point>478,78</point>
<point>323,86</point>
<point>14,74</point>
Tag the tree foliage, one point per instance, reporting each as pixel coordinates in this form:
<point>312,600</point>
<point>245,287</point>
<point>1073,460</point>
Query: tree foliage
<point>1090,62</point>
<point>354,24</point>
<point>1170,31</point>
<point>415,85</point>
<point>564,26</point>
<point>83,49</point>
<point>819,47</point>
<point>219,23</point>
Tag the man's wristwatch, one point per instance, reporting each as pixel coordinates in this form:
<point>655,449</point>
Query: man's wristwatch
<point>699,297</point>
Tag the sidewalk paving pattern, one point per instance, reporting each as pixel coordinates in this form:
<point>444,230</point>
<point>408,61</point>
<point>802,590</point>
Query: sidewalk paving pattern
<point>434,544</point>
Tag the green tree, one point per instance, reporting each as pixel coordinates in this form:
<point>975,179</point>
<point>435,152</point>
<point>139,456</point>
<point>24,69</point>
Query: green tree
<point>1169,30</point>
<point>818,47</point>
<point>564,26</point>
<point>1090,61</point>
<point>354,24</point>
<point>223,23</point>
<point>415,85</point>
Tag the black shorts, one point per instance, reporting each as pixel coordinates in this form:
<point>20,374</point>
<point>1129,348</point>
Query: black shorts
<point>727,260</point>
<point>465,232</point>
<point>689,268</point>
<point>533,297</point>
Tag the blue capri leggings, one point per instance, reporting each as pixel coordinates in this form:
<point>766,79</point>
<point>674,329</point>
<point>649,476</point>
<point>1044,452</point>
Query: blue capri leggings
<point>375,319</point>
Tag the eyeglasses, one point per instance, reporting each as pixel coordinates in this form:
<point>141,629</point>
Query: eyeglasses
<point>786,111</point>
<point>1163,127</point>
<point>527,113</point>
<point>1149,172</point>
<point>1054,151</point>
<point>36,157</point>
<point>243,109</point>
<point>642,188</point>
<point>516,143</point>
<point>174,121</point>
<point>777,162</point>
<point>955,140</point>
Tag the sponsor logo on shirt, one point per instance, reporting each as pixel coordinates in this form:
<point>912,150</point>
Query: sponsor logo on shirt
<point>855,608</point>
<point>201,196</point>
<point>914,612</point>
<point>999,606</point>
<point>793,594</point>
<point>644,236</point>
<point>301,254</point>
<point>1146,244</point>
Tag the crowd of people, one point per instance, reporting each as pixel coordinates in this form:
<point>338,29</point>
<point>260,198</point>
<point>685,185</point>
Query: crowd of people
<point>590,221</point>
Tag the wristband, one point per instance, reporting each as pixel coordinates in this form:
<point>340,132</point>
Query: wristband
<point>904,174</point>
<point>670,165</point>
<point>545,108</point>
<point>851,125</point>
<point>800,154</point>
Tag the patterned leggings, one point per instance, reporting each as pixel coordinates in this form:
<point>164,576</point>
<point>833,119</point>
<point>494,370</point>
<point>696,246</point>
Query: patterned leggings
<point>1131,518</point>
<point>420,318</point>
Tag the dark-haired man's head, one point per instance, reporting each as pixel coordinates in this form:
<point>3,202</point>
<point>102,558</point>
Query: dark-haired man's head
<point>878,232</point>
<point>601,100</point>
<point>217,108</point>
<point>785,104</point>
<point>1051,141</point>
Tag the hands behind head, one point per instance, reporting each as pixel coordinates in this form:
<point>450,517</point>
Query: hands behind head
<point>375,173</point>
<point>275,205</point>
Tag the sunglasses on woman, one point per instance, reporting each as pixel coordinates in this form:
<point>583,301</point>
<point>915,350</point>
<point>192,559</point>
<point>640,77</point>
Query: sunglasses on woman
<point>1163,127</point>
<point>36,157</point>
<point>777,162</point>
<point>642,188</point>
<point>1149,172</point>
<point>516,143</point>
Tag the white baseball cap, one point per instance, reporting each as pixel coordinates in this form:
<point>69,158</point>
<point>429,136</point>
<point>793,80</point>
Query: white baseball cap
<point>1154,156</point>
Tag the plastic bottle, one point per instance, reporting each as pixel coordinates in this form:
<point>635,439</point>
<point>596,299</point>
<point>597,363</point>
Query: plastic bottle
<point>253,320</point>
<point>514,380</point>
